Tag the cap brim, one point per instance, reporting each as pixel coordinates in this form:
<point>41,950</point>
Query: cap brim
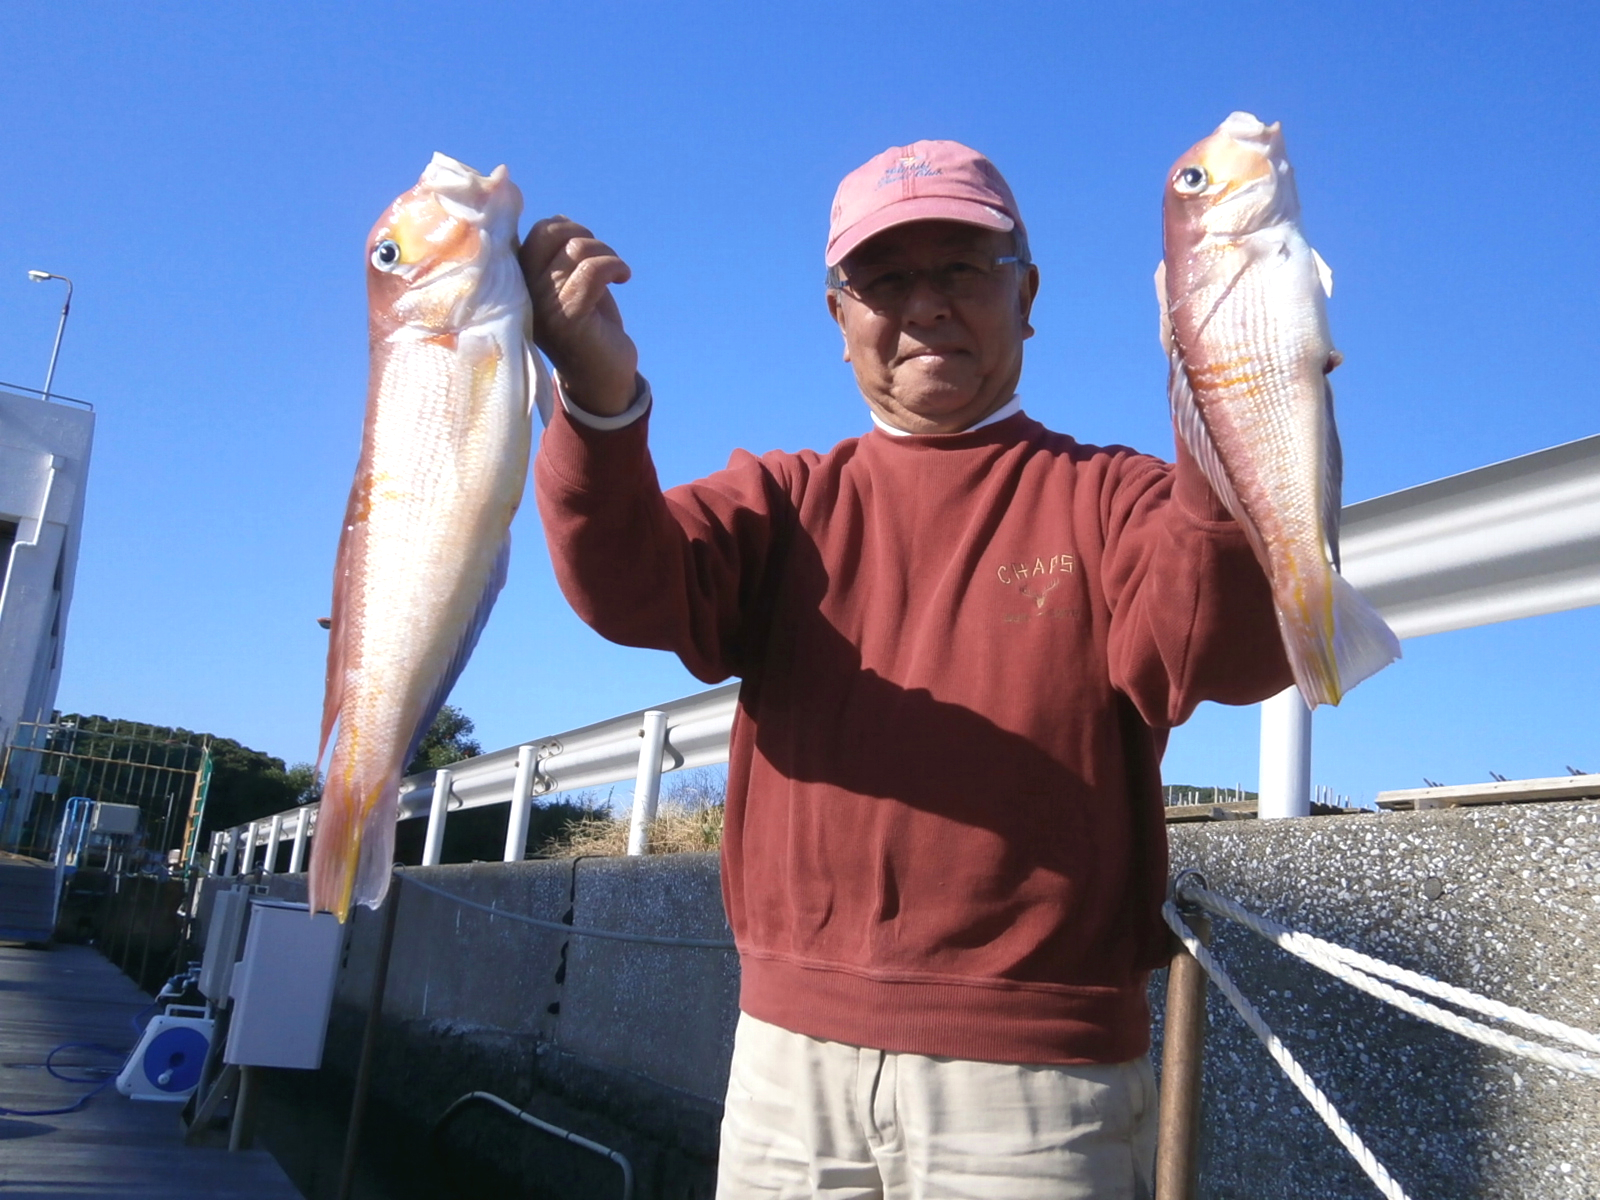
<point>919,208</point>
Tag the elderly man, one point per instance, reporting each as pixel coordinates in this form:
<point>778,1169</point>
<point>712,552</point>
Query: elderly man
<point>962,639</point>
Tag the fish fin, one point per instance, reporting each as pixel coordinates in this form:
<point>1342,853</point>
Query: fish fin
<point>353,847</point>
<point>541,391</point>
<point>1362,645</point>
<point>1168,341</point>
<point>1334,639</point>
<point>347,563</point>
<point>1191,427</point>
<point>1332,477</point>
<point>1324,274</point>
<point>375,865</point>
<point>463,651</point>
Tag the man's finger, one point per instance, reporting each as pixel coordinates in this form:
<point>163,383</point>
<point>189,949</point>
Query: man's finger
<point>585,286</point>
<point>546,239</point>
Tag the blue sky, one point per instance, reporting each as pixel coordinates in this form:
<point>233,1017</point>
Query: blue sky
<point>207,173</point>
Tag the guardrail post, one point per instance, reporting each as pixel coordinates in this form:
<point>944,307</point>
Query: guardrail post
<point>433,845</point>
<point>297,852</point>
<point>647,785</point>
<point>521,800</point>
<point>1182,1056</point>
<point>274,831</point>
<point>1285,757</point>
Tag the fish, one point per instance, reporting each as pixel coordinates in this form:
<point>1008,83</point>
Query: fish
<point>453,385</point>
<point>1244,321</point>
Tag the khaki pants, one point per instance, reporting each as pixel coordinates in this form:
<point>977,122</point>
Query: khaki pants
<point>810,1119</point>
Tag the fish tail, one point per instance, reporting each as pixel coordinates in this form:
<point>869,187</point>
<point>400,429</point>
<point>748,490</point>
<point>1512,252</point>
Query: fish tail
<point>1334,640</point>
<point>352,850</point>
<point>1363,643</point>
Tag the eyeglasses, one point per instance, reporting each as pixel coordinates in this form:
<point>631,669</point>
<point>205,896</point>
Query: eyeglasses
<point>884,289</point>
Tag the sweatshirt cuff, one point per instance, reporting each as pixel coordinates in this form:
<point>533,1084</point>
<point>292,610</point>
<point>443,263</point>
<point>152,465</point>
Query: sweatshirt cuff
<point>640,406</point>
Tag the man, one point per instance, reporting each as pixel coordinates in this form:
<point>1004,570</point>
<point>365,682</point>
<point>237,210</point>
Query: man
<point>962,639</point>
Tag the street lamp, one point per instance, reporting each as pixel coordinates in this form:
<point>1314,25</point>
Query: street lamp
<point>61,326</point>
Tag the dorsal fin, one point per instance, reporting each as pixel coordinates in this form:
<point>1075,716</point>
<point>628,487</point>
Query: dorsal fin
<point>1324,275</point>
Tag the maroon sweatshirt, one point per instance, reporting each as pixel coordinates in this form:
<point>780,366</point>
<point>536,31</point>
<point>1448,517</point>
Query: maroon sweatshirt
<point>960,658</point>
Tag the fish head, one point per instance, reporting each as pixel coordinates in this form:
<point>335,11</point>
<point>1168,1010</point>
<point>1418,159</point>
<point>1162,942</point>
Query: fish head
<point>444,253</point>
<point>1231,184</point>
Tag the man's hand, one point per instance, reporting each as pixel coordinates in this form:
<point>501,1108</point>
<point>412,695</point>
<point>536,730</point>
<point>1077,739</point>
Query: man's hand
<point>575,318</point>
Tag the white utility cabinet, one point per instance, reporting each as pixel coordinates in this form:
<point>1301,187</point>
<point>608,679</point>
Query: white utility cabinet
<point>282,987</point>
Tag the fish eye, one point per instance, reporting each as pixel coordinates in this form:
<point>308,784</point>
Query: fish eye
<point>1191,181</point>
<point>386,255</point>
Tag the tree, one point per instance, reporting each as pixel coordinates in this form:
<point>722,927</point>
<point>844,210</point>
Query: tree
<point>448,740</point>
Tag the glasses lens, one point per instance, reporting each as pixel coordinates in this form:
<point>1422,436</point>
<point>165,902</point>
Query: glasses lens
<point>962,279</point>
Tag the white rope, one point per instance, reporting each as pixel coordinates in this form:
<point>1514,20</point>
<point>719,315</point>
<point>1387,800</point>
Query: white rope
<point>1353,968</point>
<point>1320,1104</point>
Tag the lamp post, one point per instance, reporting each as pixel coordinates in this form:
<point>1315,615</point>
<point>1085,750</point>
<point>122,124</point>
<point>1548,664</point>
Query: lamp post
<point>61,326</point>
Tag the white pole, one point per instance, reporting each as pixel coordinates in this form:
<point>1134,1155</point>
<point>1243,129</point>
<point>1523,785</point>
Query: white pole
<point>216,852</point>
<point>433,846</point>
<point>1285,757</point>
<point>297,852</point>
<point>274,832</point>
<point>521,800</point>
<point>647,785</point>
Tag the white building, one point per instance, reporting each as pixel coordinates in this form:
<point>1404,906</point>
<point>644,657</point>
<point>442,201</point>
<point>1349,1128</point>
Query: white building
<point>44,466</point>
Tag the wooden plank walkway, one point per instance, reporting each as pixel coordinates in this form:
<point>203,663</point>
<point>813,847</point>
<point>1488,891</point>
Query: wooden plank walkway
<point>113,1146</point>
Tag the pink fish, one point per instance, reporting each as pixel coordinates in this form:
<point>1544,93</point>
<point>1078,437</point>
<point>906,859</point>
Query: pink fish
<point>425,542</point>
<point>1246,329</point>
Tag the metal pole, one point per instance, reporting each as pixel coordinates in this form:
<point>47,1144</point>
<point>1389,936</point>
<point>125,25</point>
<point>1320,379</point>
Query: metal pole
<point>297,853</point>
<point>61,325</point>
<point>521,802</point>
<point>1182,1055</point>
<point>433,844</point>
<point>274,832</point>
<point>241,1131</point>
<point>1285,757</point>
<point>647,785</point>
<point>369,1042</point>
<point>233,836</point>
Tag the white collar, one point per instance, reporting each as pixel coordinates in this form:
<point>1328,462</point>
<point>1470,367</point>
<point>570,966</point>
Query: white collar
<point>1009,409</point>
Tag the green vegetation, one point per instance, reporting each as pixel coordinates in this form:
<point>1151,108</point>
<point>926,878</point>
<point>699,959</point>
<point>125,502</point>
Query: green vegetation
<point>448,740</point>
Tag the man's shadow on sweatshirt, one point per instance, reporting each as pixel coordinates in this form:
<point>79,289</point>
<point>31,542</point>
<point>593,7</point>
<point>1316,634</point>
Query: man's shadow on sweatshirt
<point>942,763</point>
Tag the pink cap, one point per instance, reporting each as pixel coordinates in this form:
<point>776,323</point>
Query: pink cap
<point>925,181</point>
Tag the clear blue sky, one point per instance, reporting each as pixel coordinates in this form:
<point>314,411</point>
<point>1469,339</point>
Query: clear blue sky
<point>206,173</point>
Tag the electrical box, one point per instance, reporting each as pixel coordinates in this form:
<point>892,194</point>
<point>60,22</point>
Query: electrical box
<point>224,931</point>
<point>282,988</point>
<point>116,818</point>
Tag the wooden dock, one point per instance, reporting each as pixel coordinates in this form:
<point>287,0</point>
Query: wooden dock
<point>113,1146</point>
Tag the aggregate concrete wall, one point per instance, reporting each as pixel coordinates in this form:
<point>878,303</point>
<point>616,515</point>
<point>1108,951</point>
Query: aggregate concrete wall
<point>1505,901</point>
<point>628,1044</point>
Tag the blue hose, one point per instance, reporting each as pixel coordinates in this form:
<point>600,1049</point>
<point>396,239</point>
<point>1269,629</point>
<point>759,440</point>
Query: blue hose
<point>49,1065</point>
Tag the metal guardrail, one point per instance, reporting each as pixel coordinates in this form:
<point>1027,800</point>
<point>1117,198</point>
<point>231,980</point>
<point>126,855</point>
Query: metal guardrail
<point>1518,538</point>
<point>607,752</point>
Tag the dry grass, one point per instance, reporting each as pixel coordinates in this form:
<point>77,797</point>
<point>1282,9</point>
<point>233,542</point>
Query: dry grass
<point>688,821</point>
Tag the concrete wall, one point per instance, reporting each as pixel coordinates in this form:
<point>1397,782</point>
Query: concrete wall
<point>44,468</point>
<point>629,1044</point>
<point>1505,901</point>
